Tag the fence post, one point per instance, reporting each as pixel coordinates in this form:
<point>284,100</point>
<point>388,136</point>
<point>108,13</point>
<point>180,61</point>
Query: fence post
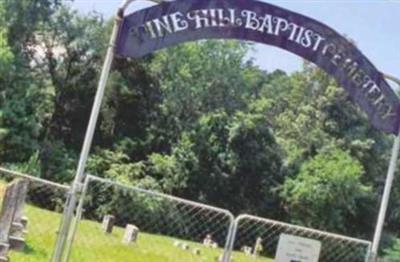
<point>231,238</point>
<point>370,257</point>
<point>228,247</point>
<point>57,254</point>
<point>78,217</point>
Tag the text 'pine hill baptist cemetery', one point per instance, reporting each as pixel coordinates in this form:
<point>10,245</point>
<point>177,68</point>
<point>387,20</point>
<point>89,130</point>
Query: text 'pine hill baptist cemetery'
<point>176,22</point>
<point>270,25</point>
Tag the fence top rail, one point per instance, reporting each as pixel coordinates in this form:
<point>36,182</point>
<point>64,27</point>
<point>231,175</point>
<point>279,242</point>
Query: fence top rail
<point>32,178</point>
<point>260,219</point>
<point>141,190</point>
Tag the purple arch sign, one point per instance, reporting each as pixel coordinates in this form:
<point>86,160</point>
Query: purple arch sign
<point>171,23</point>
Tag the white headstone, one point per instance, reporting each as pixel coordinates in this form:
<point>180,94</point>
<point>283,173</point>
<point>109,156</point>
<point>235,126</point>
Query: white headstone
<point>297,249</point>
<point>131,234</point>
<point>108,224</point>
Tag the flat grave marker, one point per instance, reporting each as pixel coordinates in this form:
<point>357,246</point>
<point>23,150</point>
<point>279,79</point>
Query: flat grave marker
<point>297,249</point>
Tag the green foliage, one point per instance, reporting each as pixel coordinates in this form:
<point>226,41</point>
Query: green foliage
<point>57,162</point>
<point>102,160</point>
<point>255,160</point>
<point>327,191</point>
<point>240,158</point>
<point>192,84</point>
<point>165,169</point>
<point>32,166</point>
<point>71,64</point>
<point>393,254</point>
<point>21,97</point>
<point>6,55</point>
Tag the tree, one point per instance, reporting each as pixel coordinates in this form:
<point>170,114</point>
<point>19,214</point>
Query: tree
<point>238,163</point>
<point>22,98</point>
<point>256,165</point>
<point>317,115</point>
<point>393,254</point>
<point>68,61</point>
<point>192,84</point>
<point>327,192</point>
<point>6,58</point>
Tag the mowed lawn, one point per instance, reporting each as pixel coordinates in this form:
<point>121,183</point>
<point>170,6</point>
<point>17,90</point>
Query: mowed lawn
<point>93,245</point>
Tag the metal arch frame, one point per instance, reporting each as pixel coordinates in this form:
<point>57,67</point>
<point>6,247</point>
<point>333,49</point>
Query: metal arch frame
<point>77,186</point>
<point>392,78</point>
<point>388,187</point>
<point>80,175</point>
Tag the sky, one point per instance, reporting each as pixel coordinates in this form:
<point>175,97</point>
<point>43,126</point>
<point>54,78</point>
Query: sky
<point>373,24</point>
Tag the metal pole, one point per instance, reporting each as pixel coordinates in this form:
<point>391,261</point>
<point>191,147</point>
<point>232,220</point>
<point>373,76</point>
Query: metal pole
<point>88,141</point>
<point>386,196</point>
<point>79,177</point>
<point>387,190</point>
<point>392,78</point>
<point>232,237</point>
<point>227,255</point>
<point>77,220</point>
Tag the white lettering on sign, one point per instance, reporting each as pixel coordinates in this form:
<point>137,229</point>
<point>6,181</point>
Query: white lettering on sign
<point>204,18</point>
<point>297,249</point>
<point>269,25</point>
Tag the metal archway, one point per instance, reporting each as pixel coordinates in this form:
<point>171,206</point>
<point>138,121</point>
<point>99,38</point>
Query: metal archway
<point>173,22</point>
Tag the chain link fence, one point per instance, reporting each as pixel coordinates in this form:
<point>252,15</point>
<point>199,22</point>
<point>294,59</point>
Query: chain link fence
<point>259,237</point>
<point>30,215</point>
<point>115,222</point>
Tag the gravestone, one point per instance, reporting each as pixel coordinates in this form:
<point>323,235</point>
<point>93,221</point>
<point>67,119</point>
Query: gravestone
<point>258,248</point>
<point>24,222</point>
<point>294,248</point>
<point>247,250</point>
<point>131,234</point>
<point>22,193</point>
<point>108,223</point>
<point>6,218</point>
<point>12,222</point>
<point>185,247</point>
<point>18,227</point>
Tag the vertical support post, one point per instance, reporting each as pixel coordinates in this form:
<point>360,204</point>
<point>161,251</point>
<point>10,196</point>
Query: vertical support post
<point>232,237</point>
<point>368,256</point>
<point>77,220</point>
<point>388,187</point>
<point>385,197</point>
<point>76,186</point>
<point>226,257</point>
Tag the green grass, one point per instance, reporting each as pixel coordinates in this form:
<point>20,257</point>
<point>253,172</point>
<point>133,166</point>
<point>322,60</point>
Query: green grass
<point>93,245</point>
<point>149,248</point>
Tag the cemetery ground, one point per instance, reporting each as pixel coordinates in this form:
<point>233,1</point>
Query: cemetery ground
<point>92,244</point>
